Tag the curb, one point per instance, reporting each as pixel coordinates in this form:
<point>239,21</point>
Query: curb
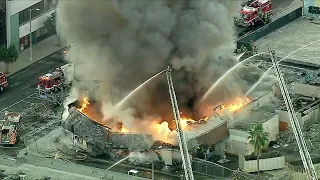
<point>36,62</point>
<point>131,166</point>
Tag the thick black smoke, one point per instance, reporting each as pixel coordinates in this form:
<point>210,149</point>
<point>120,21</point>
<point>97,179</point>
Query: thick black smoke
<point>122,43</point>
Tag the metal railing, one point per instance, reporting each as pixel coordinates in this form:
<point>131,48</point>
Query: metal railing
<point>218,171</point>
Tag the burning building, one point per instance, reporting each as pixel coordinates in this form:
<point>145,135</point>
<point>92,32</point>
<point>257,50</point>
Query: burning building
<point>87,124</point>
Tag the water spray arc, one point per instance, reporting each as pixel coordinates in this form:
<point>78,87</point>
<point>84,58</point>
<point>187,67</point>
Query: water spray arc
<point>303,150</point>
<point>215,84</point>
<point>117,163</point>
<point>122,102</point>
<point>265,73</point>
<point>181,138</point>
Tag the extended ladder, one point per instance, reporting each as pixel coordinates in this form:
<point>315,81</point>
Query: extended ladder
<point>181,138</point>
<point>303,150</point>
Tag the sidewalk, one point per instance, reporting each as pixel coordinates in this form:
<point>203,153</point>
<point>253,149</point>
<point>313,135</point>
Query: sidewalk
<point>294,5</point>
<point>40,50</point>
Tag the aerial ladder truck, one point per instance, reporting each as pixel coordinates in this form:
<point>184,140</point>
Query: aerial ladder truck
<point>181,138</point>
<point>303,150</point>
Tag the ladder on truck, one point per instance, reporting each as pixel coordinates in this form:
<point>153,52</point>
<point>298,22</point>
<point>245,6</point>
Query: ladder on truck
<point>303,150</point>
<point>181,138</point>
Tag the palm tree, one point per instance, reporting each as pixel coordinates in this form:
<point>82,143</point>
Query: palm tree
<point>258,138</point>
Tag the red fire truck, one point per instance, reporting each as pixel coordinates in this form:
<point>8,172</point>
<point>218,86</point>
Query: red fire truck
<point>53,81</point>
<point>50,82</point>
<point>254,11</point>
<point>9,127</point>
<point>3,81</point>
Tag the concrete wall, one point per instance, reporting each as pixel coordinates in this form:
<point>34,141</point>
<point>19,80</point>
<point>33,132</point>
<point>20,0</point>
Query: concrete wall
<point>284,117</point>
<point>35,24</point>
<point>311,115</point>
<point>265,164</point>
<point>307,90</point>
<point>166,156</point>
<point>272,127</point>
<point>238,143</point>
<point>19,5</point>
<point>305,118</point>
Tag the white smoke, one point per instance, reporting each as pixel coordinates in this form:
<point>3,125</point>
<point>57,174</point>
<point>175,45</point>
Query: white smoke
<point>73,96</point>
<point>142,157</point>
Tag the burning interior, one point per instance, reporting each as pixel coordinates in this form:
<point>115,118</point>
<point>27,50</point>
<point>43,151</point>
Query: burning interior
<point>161,130</point>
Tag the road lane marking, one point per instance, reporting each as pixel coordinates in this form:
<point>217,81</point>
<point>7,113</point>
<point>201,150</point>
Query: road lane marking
<point>2,99</point>
<point>17,102</point>
<point>25,87</point>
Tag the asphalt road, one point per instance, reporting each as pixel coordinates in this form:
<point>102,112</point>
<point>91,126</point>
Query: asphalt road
<point>23,83</point>
<point>278,5</point>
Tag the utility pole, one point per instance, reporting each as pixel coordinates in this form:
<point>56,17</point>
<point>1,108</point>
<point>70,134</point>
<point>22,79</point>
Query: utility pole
<point>303,150</point>
<point>30,35</point>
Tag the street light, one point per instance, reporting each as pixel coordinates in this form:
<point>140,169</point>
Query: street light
<point>30,41</point>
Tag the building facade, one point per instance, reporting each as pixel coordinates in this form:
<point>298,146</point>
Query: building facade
<point>3,32</point>
<point>18,13</point>
<point>311,8</point>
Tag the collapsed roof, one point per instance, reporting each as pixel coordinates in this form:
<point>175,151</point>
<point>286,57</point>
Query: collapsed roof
<point>101,136</point>
<point>82,126</point>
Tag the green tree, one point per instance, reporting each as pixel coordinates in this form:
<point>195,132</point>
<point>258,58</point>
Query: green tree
<point>8,56</point>
<point>258,138</point>
<point>50,24</point>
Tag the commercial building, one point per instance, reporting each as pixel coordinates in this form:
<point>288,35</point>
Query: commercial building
<point>18,15</point>
<point>311,8</point>
<point>3,36</point>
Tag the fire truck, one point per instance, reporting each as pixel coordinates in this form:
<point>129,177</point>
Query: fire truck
<point>9,127</point>
<point>53,81</point>
<point>254,11</point>
<point>3,81</point>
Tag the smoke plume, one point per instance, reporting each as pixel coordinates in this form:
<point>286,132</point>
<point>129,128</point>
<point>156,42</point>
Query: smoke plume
<point>118,44</point>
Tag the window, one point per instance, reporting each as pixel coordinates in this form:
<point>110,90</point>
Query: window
<point>42,31</point>
<point>38,33</point>
<point>24,15</point>
<point>245,16</point>
<point>314,10</point>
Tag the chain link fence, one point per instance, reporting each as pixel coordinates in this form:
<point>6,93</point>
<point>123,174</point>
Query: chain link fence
<point>217,171</point>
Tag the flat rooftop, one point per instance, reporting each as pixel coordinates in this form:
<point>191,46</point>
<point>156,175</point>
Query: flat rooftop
<point>260,115</point>
<point>292,37</point>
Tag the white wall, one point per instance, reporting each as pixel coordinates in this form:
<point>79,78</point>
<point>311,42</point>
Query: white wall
<point>166,155</point>
<point>19,5</point>
<point>35,24</point>
<point>238,143</point>
<point>284,117</point>
<point>265,164</point>
<point>272,127</point>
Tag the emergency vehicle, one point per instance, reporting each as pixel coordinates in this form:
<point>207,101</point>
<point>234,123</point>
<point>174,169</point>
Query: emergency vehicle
<point>9,127</point>
<point>3,81</point>
<point>53,81</point>
<point>253,12</point>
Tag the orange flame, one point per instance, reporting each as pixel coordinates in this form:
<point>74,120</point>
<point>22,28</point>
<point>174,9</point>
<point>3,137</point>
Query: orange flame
<point>84,105</point>
<point>237,104</point>
<point>124,130</point>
